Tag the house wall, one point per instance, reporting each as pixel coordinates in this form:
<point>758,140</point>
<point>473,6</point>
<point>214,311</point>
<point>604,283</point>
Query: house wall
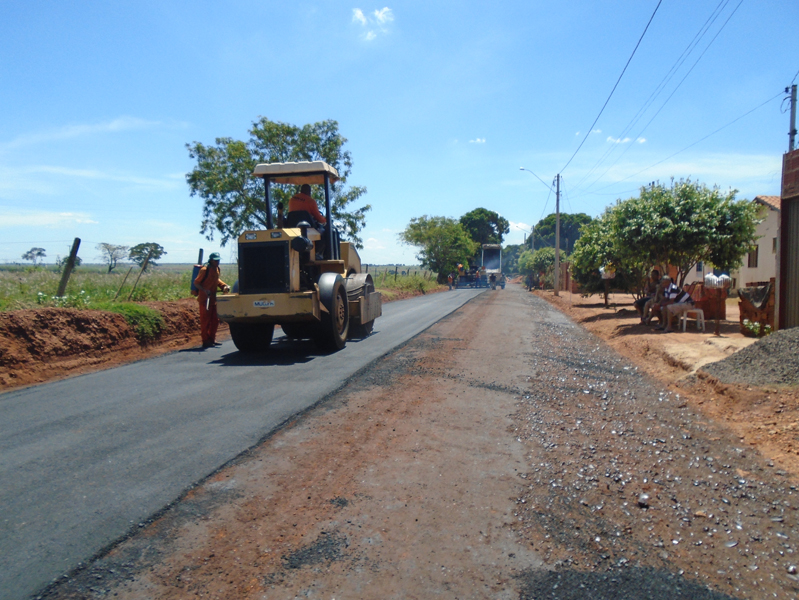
<point>767,253</point>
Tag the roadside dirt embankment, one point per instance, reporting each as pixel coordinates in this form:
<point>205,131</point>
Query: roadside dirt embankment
<point>51,343</point>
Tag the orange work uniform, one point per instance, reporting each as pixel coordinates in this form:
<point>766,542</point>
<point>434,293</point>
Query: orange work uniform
<point>208,282</point>
<point>300,201</point>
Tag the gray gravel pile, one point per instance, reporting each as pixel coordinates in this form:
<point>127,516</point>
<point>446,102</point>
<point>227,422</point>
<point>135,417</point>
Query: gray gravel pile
<point>772,360</point>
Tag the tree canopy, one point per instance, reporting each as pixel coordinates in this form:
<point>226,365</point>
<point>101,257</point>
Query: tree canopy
<point>485,226</point>
<point>234,199</point>
<point>678,225</point>
<point>442,243</point>
<point>570,225</point>
<point>111,254</point>
<point>510,258</point>
<point>34,254</point>
<point>138,254</point>
<point>542,260</point>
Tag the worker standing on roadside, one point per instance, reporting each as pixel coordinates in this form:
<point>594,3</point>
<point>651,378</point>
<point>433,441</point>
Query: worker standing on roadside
<point>208,282</point>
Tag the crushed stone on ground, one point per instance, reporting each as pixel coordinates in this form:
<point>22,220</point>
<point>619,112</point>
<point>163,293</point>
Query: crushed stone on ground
<point>772,360</point>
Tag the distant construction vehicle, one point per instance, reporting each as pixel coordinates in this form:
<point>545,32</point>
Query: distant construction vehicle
<point>492,265</point>
<point>309,283</point>
<point>488,273</point>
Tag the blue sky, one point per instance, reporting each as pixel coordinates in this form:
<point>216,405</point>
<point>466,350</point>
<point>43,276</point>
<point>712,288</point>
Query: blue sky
<point>442,103</point>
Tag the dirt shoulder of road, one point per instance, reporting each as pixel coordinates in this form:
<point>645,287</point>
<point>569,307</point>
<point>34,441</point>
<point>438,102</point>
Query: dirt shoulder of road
<point>764,417</point>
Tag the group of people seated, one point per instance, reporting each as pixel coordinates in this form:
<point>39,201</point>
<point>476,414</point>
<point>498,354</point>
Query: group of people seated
<point>663,300</point>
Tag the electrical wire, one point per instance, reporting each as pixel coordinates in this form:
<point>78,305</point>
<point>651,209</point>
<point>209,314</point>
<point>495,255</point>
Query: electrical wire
<point>658,89</point>
<point>696,142</point>
<point>676,88</point>
<point>614,87</point>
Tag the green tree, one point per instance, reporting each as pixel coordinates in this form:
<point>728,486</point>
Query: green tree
<point>678,225</point>
<point>685,224</point>
<point>138,254</point>
<point>525,263</point>
<point>234,199</point>
<point>485,226</point>
<point>570,225</point>
<point>510,258</point>
<point>442,243</point>
<point>34,254</point>
<point>61,262</point>
<point>598,247</point>
<point>111,254</point>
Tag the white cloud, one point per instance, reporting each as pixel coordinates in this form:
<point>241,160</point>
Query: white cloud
<point>384,15</point>
<point>50,219</point>
<point>478,141</point>
<point>34,178</point>
<point>519,226</point>
<point>375,23</point>
<point>596,131</point>
<point>72,131</point>
<point>614,140</point>
<point>374,244</point>
<point>641,140</point>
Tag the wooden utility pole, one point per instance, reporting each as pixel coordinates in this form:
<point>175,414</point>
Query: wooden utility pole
<point>792,132</point>
<point>70,264</point>
<point>557,234</point>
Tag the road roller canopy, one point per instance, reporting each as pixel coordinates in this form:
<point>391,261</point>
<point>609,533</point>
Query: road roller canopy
<point>297,173</point>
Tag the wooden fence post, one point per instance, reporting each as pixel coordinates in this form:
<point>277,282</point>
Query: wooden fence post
<point>70,264</point>
<point>143,267</point>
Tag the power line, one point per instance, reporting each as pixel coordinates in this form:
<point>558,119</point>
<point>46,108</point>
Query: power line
<point>697,141</point>
<point>659,89</point>
<point>674,91</point>
<point>614,87</point>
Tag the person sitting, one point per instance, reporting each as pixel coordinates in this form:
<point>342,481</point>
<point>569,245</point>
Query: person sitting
<point>675,302</point>
<point>650,290</point>
<point>303,202</point>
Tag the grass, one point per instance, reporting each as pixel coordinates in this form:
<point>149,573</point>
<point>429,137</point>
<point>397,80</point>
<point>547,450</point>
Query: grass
<point>92,287</point>
<point>414,280</point>
<point>146,322</point>
<point>88,287</point>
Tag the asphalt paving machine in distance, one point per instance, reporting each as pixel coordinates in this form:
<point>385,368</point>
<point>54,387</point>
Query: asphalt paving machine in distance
<point>309,283</point>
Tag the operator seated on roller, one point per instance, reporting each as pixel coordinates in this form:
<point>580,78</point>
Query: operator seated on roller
<point>303,201</point>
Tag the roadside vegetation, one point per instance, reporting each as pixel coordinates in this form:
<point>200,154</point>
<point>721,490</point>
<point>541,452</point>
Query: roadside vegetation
<point>89,286</point>
<point>444,243</point>
<point>679,225</point>
<point>93,287</point>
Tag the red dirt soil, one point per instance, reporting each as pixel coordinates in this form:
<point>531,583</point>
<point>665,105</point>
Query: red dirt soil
<point>52,343</point>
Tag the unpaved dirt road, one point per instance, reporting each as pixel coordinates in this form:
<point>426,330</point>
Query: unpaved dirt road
<point>503,453</point>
